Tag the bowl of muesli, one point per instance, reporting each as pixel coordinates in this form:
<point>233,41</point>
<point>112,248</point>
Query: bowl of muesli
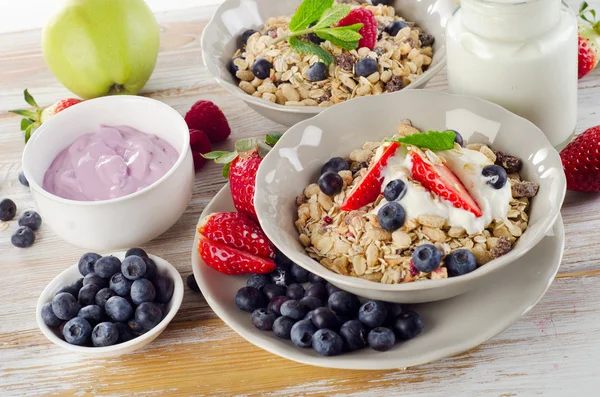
<point>289,66</point>
<point>363,197</point>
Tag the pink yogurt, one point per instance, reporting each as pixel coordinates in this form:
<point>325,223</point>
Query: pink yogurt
<point>109,163</point>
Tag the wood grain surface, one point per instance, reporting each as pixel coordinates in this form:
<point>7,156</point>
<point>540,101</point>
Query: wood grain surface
<point>553,351</point>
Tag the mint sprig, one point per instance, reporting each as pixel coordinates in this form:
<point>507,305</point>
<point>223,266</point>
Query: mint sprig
<point>323,15</point>
<point>432,140</point>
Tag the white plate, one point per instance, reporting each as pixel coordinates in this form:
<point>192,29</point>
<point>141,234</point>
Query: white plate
<point>452,326</point>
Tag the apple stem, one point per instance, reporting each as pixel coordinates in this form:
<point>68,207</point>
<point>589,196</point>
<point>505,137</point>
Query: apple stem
<point>116,89</point>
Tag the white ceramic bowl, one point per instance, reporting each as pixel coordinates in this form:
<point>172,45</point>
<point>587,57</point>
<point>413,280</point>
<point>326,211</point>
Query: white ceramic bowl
<point>220,41</point>
<point>72,273</point>
<point>127,221</point>
<point>297,158</point>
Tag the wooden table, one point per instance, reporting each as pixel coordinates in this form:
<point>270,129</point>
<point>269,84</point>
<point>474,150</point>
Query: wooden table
<point>553,351</point>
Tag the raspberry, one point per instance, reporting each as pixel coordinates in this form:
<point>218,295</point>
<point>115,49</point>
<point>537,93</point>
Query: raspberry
<point>369,29</point>
<point>206,116</point>
<point>200,145</point>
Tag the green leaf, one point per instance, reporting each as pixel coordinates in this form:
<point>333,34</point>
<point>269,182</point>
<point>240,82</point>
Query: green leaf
<point>310,48</point>
<point>30,114</point>
<point>333,15</point>
<point>356,27</point>
<point>273,138</point>
<point>29,131</point>
<point>227,158</point>
<point>215,155</point>
<point>263,149</point>
<point>583,6</point>
<point>246,145</point>
<point>25,123</point>
<point>225,171</point>
<point>433,140</point>
<point>341,34</point>
<point>346,45</point>
<point>308,12</point>
<point>29,99</point>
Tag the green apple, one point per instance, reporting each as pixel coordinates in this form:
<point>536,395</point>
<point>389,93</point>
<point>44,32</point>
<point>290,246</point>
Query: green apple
<point>102,47</point>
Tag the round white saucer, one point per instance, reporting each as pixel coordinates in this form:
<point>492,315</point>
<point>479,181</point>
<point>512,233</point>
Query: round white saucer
<point>451,326</point>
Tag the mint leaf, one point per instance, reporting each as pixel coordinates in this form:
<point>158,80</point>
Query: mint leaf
<point>333,15</point>
<point>273,138</point>
<point>245,145</point>
<point>310,48</point>
<point>433,140</point>
<point>356,27</point>
<point>25,123</point>
<point>29,99</point>
<point>215,155</point>
<point>308,12</point>
<point>346,45</point>
<point>341,34</point>
<point>227,158</point>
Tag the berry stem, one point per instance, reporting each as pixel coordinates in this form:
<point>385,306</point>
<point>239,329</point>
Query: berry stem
<point>293,34</point>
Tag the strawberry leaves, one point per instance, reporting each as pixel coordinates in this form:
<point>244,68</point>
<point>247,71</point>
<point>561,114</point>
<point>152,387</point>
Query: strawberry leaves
<point>589,16</point>
<point>432,140</point>
<point>31,118</point>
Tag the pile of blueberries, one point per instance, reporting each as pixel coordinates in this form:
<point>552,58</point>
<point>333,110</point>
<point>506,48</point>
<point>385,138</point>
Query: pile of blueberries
<point>322,316</point>
<point>29,222</point>
<point>113,303</point>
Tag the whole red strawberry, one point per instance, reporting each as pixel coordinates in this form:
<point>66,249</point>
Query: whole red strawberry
<point>368,31</point>
<point>581,162</point>
<point>200,145</point>
<point>589,40</point>
<point>206,116</point>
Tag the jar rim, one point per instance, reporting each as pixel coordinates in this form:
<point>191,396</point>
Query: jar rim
<point>509,3</point>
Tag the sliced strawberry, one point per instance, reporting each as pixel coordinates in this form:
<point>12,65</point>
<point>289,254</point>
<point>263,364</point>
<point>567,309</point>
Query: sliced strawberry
<point>369,188</point>
<point>232,261</point>
<point>239,231</point>
<point>439,179</point>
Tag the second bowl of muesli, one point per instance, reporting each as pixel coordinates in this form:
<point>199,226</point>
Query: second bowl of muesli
<point>413,207</point>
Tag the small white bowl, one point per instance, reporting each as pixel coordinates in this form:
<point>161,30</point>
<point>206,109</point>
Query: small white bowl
<point>72,273</point>
<point>127,221</point>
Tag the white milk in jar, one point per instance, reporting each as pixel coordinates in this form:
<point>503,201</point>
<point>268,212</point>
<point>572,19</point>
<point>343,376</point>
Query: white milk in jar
<point>520,54</point>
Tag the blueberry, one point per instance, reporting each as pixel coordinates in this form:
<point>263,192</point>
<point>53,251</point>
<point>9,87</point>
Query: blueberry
<point>313,36</point>
<point>373,313</point>
<point>263,319</point>
<point>31,219</point>
<point>274,305</point>
<point>69,289</point>
<point>120,284</point>
<point>8,209</point>
<point>105,334</point>
<point>426,40</point>
<point>295,291</point>
<point>344,303</point>
<point>293,309</point>
<point>408,325</point>
<point>302,333</point>
<point>77,284</point>
<point>258,281</point>
<point>384,2</point>
<point>426,258</point>
<point>232,67</point>
<point>391,216</point>
<point>93,278</point>
<point>49,317</point>
<point>354,334</point>
<point>281,276</point>
<point>393,28</point>
<point>282,327</point>
<point>460,262</point>
<point>311,302</point>
<point>394,310</point>
<point>395,190</point>
<point>318,71</point>
<point>23,179</point>
<point>458,138</point>
<point>282,261</point>
<point>309,315</point>
<point>317,290</point>
<point>313,278</point>
<point>164,287</point>
<point>87,294</point>
<point>327,342</point>
<point>23,237</point>
<point>77,331</point>
<point>300,274</point>
<point>335,164</point>
<point>262,68</point>
<point>103,295</point>
<point>106,266</point>
<point>125,334</point>
<point>151,269</point>
<point>65,306</point>
<point>148,315</point>
<point>365,67</point>
<point>323,317</point>
<point>92,313</point>
<point>135,327</point>
<point>118,308</point>
<point>246,35</point>
<point>191,283</point>
<point>381,339</point>
<point>133,267</point>
<point>87,262</point>
<point>331,183</point>
<point>273,290</point>
<point>249,299</point>
<point>496,176</point>
<point>142,291</point>
<point>137,252</point>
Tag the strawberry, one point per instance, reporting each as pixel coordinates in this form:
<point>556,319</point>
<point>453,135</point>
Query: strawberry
<point>36,117</point>
<point>439,179</point>
<point>200,144</point>
<point>206,116</point>
<point>237,230</point>
<point>232,261</point>
<point>589,40</point>
<point>369,188</point>
<point>368,31</point>
<point>581,161</point>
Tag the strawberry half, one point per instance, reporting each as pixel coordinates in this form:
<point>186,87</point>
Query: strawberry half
<point>581,161</point>
<point>439,179</point>
<point>239,231</point>
<point>232,261</point>
<point>589,40</point>
<point>369,188</point>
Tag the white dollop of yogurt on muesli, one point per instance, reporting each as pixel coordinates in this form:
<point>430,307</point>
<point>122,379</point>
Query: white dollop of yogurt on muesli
<point>467,165</point>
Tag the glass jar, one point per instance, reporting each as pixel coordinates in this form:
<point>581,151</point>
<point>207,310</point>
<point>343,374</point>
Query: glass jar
<point>520,54</point>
